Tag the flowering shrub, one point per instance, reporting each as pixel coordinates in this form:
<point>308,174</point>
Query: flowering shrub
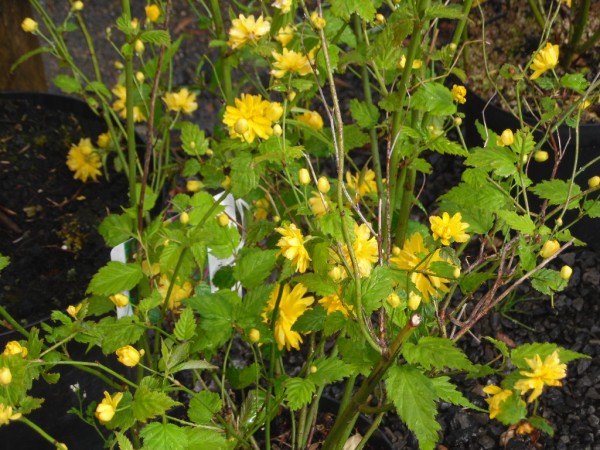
<point>299,229</point>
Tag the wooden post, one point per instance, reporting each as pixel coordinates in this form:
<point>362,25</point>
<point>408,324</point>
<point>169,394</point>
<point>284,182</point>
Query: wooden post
<point>29,76</point>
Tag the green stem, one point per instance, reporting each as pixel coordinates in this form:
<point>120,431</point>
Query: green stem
<point>581,21</point>
<point>129,88</point>
<point>79,364</point>
<point>41,432</point>
<point>225,65</point>
<point>460,26</point>
<point>374,426</point>
<point>272,360</point>
<point>537,14</point>
<point>405,206</point>
<point>4,313</point>
<point>345,421</point>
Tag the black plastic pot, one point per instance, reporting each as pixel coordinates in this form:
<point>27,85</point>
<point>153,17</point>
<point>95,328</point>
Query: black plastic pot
<point>498,120</point>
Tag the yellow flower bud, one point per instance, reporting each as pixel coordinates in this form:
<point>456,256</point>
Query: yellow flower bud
<point>209,152</point>
<point>456,272</point>
<point>566,272</point>
<point>29,25</point>
<point>393,300</point>
<point>452,47</point>
<point>120,300</point>
<point>594,181</point>
<point>61,446</point>
<point>77,6</point>
<point>323,185</point>
<point>129,356</point>
<point>313,369</point>
<point>74,310</point>
<point>139,47</point>
<point>540,156</point>
<point>395,250</point>
<point>549,248</point>
<point>223,219</point>
<point>506,138</point>
<point>291,96</point>
<point>152,12</point>
<point>5,376</point>
<point>140,77</point>
<point>458,121</point>
<point>276,219</point>
<point>194,185</point>
<point>226,182</point>
<point>317,20</point>
<point>559,222</point>
<point>14,348</point>
<point>118,65</point>
<point>379,18</point>
<point>107,408</point>
<point>184,218</point>
<point>304,176</point>
<point>414,300</point>
<point>103,140</point>
<point>277,130</point>
<point>254,335</point>
<point>135,23</point>
<point>241,126</point>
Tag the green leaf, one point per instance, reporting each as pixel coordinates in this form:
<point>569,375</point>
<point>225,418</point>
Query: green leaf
<point>541,424</point>
<point>358,354</point>
<point>194,364</point>
<point>557,192</point>
<point>244,176</point>
<point>548,281</point>
<point>164,436</point>
<point>312,320</point>
<point>592,208</point>
<point>205,439</point>
<point>543,350</point>
<point>329,370</point>
<point>254,266</point>
<point>28,55</point>
<point>471,282</point>
<point>527,255</point>
<point>433,352</point>
<point>99,88</point>
<point>116,229</point>
<point>124,443</point>
<point>4,261</point>
<point>331,224</point>
<point>501,346</point>
<point>185,328</point>
<point>575,81</point>
<point>204,406</point>
<point>345,8</point>
<point>415,397</point>
<point>149,403</point>
<point>115,277</point>
<point>434,98</point>
<point>447,392</point>
<point>522,224</point>
<point>391,102</point>
<point>116,333</point>
<point>159,37</point>
<point>354,137</point>
<point>444,12</point>
<point>67,84</point>
<point>501,161</point>
<point>242,378</point>
<point>298,392</point>
<point>366,115</point>
<point>445,146</point>
<point>513,410</point>
<point>193,141</point>
<point>376,288</point>
<point>320,285</point>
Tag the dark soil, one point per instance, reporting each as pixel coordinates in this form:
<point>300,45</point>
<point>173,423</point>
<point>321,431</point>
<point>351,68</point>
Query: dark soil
<point>49,220</point>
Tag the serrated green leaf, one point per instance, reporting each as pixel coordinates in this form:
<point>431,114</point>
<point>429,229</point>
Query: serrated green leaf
<point>354,137</point>
<point>254,266</point>
<point>320,285</point>
<point>199,438</point>
<point>543,350</point>
<point>548,281</point>
<point>501,161</point>
<point>244,175</point>
<point>522,224</point>
<point>471,282</point>
<point>311,320</point>
<point>204,406</point>
<point>575,81</point>
<point>433,352</point>
<point>159,37</point>
<point>194,364</point>
<point>345,8</point>
<point>185,328</point>
<point>512,410</point>
<point>444,12</point>
<point>298,392</point>
<point>445,146</point>
<point>447,392</point>
<point>391,102</point>
<point>527,255</point>
<point>4,261</point>
<point>434,98</point>
<point>116,229</point>
<point>124,443</point>
<point>358,354</point>
<point>501,346</point>
<point>415,398</point>
<point>116,333</point>
<point>376,288</point>
<point>149,403</point>
<point>541,424</point>
<point>557,192</point>
<point>164,436</point>
<point>592,208</point>
<point>193,141</point>
<point>329,370</point>
<point>331,224</point>
<point>242,378</point>
<point>115,277</point>
<point>67,84</point>
<point>366,115</point>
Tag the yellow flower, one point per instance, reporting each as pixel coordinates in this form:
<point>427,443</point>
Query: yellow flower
<point>104,140</point>
<point>549,248</point>
<point>338,273</point>
<point>415,257</point>
<point>317,206</point>
<point>107,408</point>
<point>594,182</point>
<point>448,228</point>
<point>120,106</point>
<point>14,348</point>
<point>74,310</point>
<point>363,183</point>
<point>414,301</point>
<point>152,12</point>
<point>129,356</point>
<point>506,138</point>
<point>333,303</point>
<point>84,161</point>
<point>178,293</point>
<point>120,300</point>
<point>29,25</point>
<point>498,396</point>
<point>250,117</point>
<point>311,118</point>
<point>284,5</point>
<point>318,21</point>
<point>366,250</point>
<point>254,335</point>
<point>393,300</point>
<point>285,35</point>
<point>417,63</point>
<point>548,373</point>
<point>182,101</point>
<point>290,61</point>
<point>546,59</point>
<point>262,209</point>
<point>292,246</point>
<point>291,306</point>
<point>247,29</point>
<point>6,414</point>
<point>459,94</point>
<point>5,376</point>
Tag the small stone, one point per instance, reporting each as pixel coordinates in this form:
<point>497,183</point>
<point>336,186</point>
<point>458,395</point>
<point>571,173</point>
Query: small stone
<point>487,443</point>
<point>568,258</point>
<point>565,439</point>
<point>578,304</point>
<point>584,382</point>
<point>593,420</point>
<point>592,276</point>
<point>582,365</point>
